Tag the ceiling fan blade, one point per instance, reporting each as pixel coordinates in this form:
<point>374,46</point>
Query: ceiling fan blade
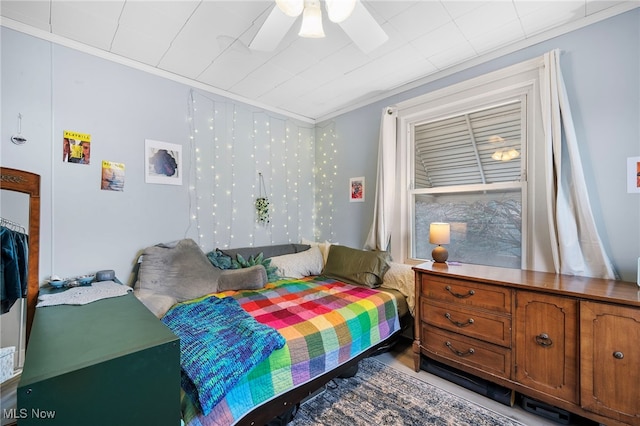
<point>272,31</point>
<point>363,29</point>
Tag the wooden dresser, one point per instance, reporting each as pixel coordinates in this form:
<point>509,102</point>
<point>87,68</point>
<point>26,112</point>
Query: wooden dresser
<point>572,342</point>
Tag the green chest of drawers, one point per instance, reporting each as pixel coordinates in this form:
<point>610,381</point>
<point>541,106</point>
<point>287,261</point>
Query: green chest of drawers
<point>110,362</point>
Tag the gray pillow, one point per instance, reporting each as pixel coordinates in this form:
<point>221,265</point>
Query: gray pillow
<point>251,278</point>
<point>359,267</point>
<point>180,270</point>
<point>267,251</point>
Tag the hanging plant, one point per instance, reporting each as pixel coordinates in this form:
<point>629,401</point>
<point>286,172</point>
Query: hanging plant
<point>262,204</point>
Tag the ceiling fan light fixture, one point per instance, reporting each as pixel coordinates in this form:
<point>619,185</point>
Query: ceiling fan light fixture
<point>311,21</point>
<point>291,8</point>
<point>339,10</point>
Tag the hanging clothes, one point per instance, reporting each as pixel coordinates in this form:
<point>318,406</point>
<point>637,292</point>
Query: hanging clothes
<point>14,266</point>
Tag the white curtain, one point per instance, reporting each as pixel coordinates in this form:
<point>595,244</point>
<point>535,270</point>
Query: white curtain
<point>380,233</point>
<point>575,244</point>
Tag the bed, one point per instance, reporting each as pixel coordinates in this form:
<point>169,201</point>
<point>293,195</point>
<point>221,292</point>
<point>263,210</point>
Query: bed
<point>293,317</point>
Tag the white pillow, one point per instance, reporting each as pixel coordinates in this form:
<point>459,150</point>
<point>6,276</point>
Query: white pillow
<point>299,265</point>
<point>401,277</point>
<point>324,248</point>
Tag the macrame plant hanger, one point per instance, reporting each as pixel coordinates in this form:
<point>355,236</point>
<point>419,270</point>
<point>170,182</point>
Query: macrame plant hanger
<point>262,203</point>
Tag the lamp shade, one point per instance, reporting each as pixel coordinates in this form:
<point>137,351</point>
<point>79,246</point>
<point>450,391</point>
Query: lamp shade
<point>311,21</point>
<point>339,10</point>
<point>291,7</point>
<point>439,233</point>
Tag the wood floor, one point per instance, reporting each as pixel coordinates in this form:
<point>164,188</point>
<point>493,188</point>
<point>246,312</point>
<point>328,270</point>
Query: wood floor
<point>401,357</point>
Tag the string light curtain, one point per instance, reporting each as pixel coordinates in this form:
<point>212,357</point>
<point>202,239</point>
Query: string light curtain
<point>231,143</point>
<point>327,172</point>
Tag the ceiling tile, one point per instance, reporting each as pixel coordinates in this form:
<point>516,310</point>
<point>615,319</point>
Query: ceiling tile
<point>293,88</point>
<point>420,19</point>
<point>486,18</point>
<point>206,41</point>
<point>230,68</point>
<point>321,73</point>
<point>388,9</point>
<point>439,40</point>
<point>594,6</point>
<point>497,37</point>
<point>93,23</point>
<point>458,8</point>
<point>34,13</point>
<point>294,59</point>
<point>347,59</point>
<point>145,31</point>
<point>538,19</point>
<point>263,80</point>
<point>453,56</point>
<point>198,44</point>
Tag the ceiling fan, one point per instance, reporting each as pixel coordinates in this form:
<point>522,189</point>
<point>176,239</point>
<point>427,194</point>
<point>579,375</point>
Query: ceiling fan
<point>351,15</point>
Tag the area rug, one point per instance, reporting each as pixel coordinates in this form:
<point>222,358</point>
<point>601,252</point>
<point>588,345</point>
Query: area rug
<point>383,395</point>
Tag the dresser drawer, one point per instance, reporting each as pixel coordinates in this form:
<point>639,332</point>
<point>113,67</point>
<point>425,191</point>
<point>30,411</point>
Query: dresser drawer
<point>451,290</point>
<point>467,351</point>
<point>483,325</point>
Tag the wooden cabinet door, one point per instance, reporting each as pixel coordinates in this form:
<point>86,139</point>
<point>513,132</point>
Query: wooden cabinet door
<point>610,360</point>
<point>546,344</point>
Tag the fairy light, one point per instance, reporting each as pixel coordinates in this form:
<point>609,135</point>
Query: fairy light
<point>193,176</point>
<point>224,140</point>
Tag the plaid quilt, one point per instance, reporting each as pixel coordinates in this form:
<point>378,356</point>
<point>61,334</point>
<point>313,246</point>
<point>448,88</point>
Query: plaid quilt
<point>325,323</point>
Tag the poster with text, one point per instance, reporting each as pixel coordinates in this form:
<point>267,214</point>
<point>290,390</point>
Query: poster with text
<point>112,176</point>
<point>76,147</point>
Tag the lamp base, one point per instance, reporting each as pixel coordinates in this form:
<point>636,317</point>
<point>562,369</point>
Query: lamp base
<point>440,254</point>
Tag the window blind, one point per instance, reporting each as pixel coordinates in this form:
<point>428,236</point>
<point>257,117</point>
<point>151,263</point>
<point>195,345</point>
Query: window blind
<point>479,147</point>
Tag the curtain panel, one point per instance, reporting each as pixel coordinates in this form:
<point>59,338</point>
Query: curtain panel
<point>575,243</point>
<point>380,232</point>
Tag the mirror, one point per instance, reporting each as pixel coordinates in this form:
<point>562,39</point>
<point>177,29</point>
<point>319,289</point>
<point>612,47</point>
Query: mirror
<point>20,192</point>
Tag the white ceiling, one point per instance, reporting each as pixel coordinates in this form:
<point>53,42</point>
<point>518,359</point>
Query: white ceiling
<point>204,43</point>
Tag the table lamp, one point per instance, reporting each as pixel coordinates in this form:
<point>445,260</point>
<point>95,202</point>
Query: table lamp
<point>439,233</point>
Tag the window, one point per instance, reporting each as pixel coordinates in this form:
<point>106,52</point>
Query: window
<point>457,162</point>
<point>465,157</point>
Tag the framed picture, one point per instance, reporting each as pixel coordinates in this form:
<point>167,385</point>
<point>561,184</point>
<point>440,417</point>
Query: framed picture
<point>633,175</point>
<point>162,162</point>
<point>356,189</point>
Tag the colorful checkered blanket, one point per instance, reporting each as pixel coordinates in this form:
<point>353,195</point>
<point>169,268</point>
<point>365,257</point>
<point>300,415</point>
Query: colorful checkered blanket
<point>325,323</point>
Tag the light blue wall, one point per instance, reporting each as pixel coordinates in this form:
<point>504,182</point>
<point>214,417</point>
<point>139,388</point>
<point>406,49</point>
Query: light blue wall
<point>601,67</point>
<point>225,145</point>
<point>85,229</point>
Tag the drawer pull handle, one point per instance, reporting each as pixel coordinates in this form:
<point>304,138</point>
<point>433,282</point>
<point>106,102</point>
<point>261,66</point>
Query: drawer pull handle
<point>618,355</point>
<point>471,351</point>
<point>457,323</point>
<point>544,340</point>
<point>458,295</point>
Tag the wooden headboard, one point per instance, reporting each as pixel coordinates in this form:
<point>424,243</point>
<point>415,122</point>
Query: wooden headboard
<point>28,183</point>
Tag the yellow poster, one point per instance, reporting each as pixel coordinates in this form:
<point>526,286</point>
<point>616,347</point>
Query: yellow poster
<point>76,147</point>
<point>112,176</point>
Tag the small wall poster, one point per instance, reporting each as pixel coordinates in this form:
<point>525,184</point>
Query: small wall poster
<point>76,147</point>
<point>356,189</point>
<point>112,176</point>
<point>162,162</point>
<point>633,175</point>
